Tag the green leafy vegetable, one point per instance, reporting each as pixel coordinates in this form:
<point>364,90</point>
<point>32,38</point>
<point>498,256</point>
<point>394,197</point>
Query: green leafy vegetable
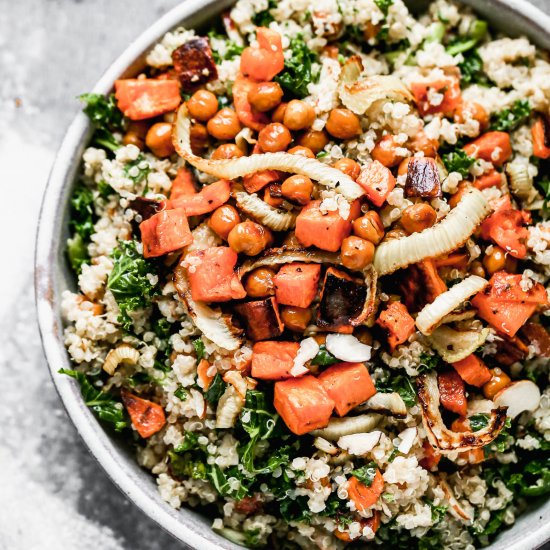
<point>232,49</point>
<point>264,18</point>
<point>220,481</point>
<point>190,443</point>
<point>299,70</point>
<point>458,161</point>
<point>198,344</point>
<point>476,32</point>
<point>428,362</point>
<point>366,473</point>
<point>544,188</point>
<point>502,441</point>
<point>215,390</point>
<point>295,510</point>
<point>103,404</point>
<point>510,119</point>
<point>78,253</point>
<point>324,357</point>
<point>401,384</point>
<point>438,512</point>
<point>105,115</point>
<point>471,70</point>
<point>82,223</point>
<point>188,465</point>
<point>137,170</point>
<point>384,6</point>
<point>129,281</point>
<point>181,393</point>
<point>436,32</point>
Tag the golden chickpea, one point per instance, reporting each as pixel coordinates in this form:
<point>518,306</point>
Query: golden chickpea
<point>299,115</point>
<point>349,167</point>
<point>265,96</point>
<point>303,151</point>
<point>259,284</point>
<point>369,227</point>
<point>471,110</point>
<point>418,217</point>
<point>297,188</point>
<point>273,195</point>
<point>320,338</point>
<point>476,268</point>
<point>314,140</point>
<point>224,125</point>
<point>159,139</point>
<point>356,253</point>
<point>135,134</point>
<point>495,260</point>
<point>296,318</point>
<point>343,124</point>
<point>403,166</point>
<point>274,137</point>
<point>459,193</point>
<point>370,31</point>
<point>227,151</point>
<point>278,114</point>
<point>498,382</point>
<point>385,151</point>
<point>223,220</point>
<point>131,138</point>
<point>511,265</point>
<point>421,142</point>
<point>202,105</point>
<point>249,238</point>
<point>199,138</point>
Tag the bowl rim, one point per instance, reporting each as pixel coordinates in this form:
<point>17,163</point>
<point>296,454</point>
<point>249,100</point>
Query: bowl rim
<point>47,299</point>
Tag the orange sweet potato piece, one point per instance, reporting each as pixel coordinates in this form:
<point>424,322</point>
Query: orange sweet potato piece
<point>431,457</point>
<point>166,231</point>
<point>183,184</point>
<point>194,63</point>
<point>377,181</point>
<point>258,180</point>
<point>212,277</point>
<point>296,284</point>
<point>202,373</point>
<point>395,319</point>
<point>449,87</point>
<point>506,229</point>
<point>325,231</point>
<point>373,523</point>
<point>538,132</point>
<point>491,179</point>
<point>273,360</point>
<point>303,404</point>
<point>473,370</point>
<point>147,417</point>
<point>452,393</point>
<point>348,385</point>
<point>206,200</point>
<point>362,496</point>
<point>145,98</point>
<point>493,147</point>
<point>265,61</point>
<point>261,319</point>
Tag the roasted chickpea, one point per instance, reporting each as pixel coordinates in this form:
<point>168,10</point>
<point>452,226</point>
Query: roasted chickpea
<point>135,135</point>
<point>278,114</point>
<point>348,167</point>
<point>159,139</point>
<point>471,110</point>
<point>223,220</point>
<point>224,125</point>
<point>370,31</point>
<point>265,96</point>
<point>511,265</point>
<point>457,196</point>
<point>314,140</point>
<point>320,338</point>
<point>274,137</point>
<point>303,151</point>
<point>403,166</point>
<point>476,268</point>
<point>259,283</point>
<point>273,195</point>
<point>299,115</point>
<point>356,253</point>
<point>227,151</point>
<point>296,318</point>
<point>495,260</point>
<point>331,50</point>
<point>343,124</point>
<point>297,188</point>
<point>499,381</point>
<point>385,151</point>
<point>369,227</point>
<point>199,138</point>
<point>249,238</point>
<point>418,217</point>
<point>202,105</point>
<point>421,142</point>
<point>396,233</point>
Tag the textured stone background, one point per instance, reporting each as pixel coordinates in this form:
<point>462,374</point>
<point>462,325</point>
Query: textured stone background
<point>53,495</point>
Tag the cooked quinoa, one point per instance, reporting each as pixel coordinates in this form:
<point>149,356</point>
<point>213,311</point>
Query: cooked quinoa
<point>347,342</point>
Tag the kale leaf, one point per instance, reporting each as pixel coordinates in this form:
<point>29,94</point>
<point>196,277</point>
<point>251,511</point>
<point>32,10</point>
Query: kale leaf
<point>198,344</point>
<point>458,161</point>
<point>129,281</point>
<point>82,223</point>
<point>190,443</point>
<point>384,6</point>
<point>181,393</point>
<point>298,71</point>
<point>264,18</point>
<point>510,119</point>
<point>476,32</point>
<point>401,384</point>
<point>428,362</point>
<point>215,390</point>
<point>544,187</point>
<point>188,465</point>
<point>106,116</point>
<point>232,49</point>
<point>103,404</point>
<point>471,70</point>
<point>502,441</point>
<point>324,358</point>
<point>77,251</point>
<point>365,474</point>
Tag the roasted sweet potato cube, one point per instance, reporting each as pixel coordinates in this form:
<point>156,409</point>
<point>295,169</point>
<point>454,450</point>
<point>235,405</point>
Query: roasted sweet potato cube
<point>261,319</point>
<point>452,393</point>
<point>164,232</point>
<point>296,284</point>
<point>422,178</point>
<point>377,181</point>
<point>194,63</point>
<point>140,99</point>
<point>303,404</point>
<point>348,385</point>
<point>273,360</point>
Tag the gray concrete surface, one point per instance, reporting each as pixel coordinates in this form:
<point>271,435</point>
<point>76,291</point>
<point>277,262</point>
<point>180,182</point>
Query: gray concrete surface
<point>53,495</point>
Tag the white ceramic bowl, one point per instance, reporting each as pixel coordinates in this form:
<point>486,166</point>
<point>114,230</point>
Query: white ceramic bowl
<point>52,276</point>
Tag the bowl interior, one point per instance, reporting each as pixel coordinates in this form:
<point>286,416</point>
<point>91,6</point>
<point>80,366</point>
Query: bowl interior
<point>53,276</point>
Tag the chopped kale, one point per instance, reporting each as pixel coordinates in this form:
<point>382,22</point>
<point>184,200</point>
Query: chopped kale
<point>82,224</point>
<point>299,70</point>
<point>324,358</point>
<point>215,390</point>
<point>181,393</point>
<point>106,117</point>
<point>510,119</point>
<point>384,6</point>
<point>198,344</point>
<point>471,70</point>
<point>130,281</point>
<point>401,384</point>
<point>190,443</point>
<point>137,170</point>
<point>103,404</point>
<point>77,252</point>
<point>366,473</point>
<point>232,49</point>
<point>187,465</point>
<point>428,362</point>
<point>458,161</point>
<point>264,18</point>
<point>461,44</point>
